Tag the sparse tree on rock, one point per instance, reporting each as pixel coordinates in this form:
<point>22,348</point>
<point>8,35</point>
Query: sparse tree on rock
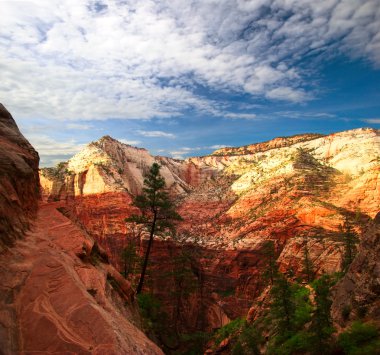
<point>157,212</point>
<point>350,240</point>
<point>308,267</point>
<point>322,324</point>
<point>283,305</point>
<point>271,267</point>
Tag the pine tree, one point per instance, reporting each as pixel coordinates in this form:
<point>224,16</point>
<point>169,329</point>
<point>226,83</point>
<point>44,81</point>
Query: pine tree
<point>322,324</point>
<point>308,268</point>
<point>271,267</point>
<point>283,305</point>
<point>130,260</point>
<point>157,212</point>
<point>350,240</point>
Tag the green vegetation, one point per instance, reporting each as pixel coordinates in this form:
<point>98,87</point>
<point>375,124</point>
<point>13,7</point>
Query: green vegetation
<point>308,267</point>
<point>270,267</point>
<point>157,212</point>
<point>228,330</point>
<point>350,241</point>
<point>360,339</point>
<point>150,311</point>
<point>131,261</point>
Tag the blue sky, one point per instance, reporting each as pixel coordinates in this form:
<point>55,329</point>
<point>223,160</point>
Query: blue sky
<point>182,78</point>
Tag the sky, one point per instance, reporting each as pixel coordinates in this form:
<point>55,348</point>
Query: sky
<point>183,78</point>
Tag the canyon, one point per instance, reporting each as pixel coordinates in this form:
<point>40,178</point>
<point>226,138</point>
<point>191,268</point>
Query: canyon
<point>295,192</point>
<point>64,230</point>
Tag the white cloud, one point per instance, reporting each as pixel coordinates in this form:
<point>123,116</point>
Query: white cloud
<point>156,134</point>
<point>246,116</point>
<point>47,146</point>
<point>287,94</point>
<point>79,126</point>
<point>372,120</point>
<point>218,146</point>
<point>129,142</point>
<point>74,60</point>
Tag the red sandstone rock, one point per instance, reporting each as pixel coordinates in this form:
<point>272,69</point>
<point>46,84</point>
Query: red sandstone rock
<point>19,181</point>
<point>58,293</point>
<point>53,302</point>
<point>357,295</point>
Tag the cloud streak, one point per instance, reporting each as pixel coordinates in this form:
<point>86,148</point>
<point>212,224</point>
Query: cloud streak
<point>86,60</point>
<point>156,134</point>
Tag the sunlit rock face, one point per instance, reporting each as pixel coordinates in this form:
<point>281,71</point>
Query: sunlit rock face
<point>19,181</point>
<point>110,166</point>
<point>293,191</point>
<point>59,294</point>
<point>58,291</point>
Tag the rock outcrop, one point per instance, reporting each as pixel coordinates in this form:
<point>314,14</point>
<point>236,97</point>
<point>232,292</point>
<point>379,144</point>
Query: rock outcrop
<point>357,295</point>
<point>19,181</point>
<point>295,192</point>
<point>59,294</point>
<point>58,291</point>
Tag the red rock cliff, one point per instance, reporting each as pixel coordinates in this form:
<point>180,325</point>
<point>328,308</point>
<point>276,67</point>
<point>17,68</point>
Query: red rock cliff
<point>58,292</point>
<point>19,181</point>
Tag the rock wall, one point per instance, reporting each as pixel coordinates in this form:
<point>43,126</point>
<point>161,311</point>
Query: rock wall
<point>357,295</point>
<point>19,181</point>
<point>58,291</point>
<point>59,294</point>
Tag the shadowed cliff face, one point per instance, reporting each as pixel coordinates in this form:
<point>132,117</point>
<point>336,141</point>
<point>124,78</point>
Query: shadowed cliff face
<point>295,192</point>
<point>58,292</point>
<point>357,295</point>
<point>19,181</point>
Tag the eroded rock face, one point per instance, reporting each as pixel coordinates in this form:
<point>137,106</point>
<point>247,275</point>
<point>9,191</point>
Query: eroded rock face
<point>110,166</point>
<point>19,181</point>
<point>58,294</point>
<point>295,192</point>
<point>357,295</point>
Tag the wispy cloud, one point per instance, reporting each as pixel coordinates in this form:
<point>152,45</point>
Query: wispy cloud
<point>372,120</point>
<point>129,142</point>
<point>238,115</point>
<point>143,59</point>
<point>156,134</point>
<point>218,146</point>
<point>78,126</point>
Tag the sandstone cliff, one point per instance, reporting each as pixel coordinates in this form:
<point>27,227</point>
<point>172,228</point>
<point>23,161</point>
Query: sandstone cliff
<point>58,292</point>
<point>19,181</point>
<point>295,192</point>
<point>357,295</point>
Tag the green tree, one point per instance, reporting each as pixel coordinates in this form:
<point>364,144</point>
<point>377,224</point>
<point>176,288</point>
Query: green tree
<point>308,267</point>
<point>157,212</point>
<point>350,241</point>
<point>283,305</point>
<point>130,260</point>
<point>321,324</point>
<point>271,267</point>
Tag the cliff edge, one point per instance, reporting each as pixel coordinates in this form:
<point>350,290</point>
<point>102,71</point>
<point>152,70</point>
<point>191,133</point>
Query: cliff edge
<point>19,181</point>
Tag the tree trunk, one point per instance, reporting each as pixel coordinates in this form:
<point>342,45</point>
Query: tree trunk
<point>142,276</point>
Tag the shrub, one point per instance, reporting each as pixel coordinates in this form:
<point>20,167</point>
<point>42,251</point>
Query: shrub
<point>229,329</point>
<point>360,339</point>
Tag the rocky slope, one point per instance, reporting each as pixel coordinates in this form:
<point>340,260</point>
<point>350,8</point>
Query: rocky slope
<point>358,294</point>
<point>295,192</point>
<point>58,292</point>
<point>19,181</point>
